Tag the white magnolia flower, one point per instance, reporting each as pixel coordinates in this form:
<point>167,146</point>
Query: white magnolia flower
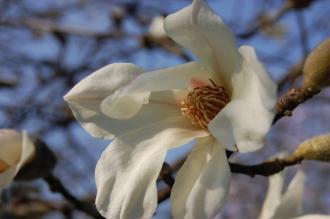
<point>223,100</point>
<point>15,150</point>
<point>289,204</point>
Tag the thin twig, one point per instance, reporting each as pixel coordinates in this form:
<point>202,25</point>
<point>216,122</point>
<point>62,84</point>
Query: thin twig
<point>164,194</point>
<point>56,186</point>
<point>291,99</point>
<point>166,174</point>
<point>303,35</point>
<point>266,168</point>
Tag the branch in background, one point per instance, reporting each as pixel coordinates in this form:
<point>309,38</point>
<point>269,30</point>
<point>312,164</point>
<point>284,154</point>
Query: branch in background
<point>266,20</point>
<point>166,174</point>
<point>303,35</point>
<point>293,73</point>
<point>316,148</point>
<point>290,100</point>
<point>316,72</point>
<point>266,168</point>
<point>7,84</point>
<point>164,194</point>
<point>49,26</point>
<point>56,185</point>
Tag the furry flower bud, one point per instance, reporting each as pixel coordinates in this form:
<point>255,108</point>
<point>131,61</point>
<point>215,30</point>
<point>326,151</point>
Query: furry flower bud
<point>317,67</point>
<point>316,148</point>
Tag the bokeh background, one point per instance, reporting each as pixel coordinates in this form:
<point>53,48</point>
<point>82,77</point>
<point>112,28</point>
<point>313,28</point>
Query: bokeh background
<point>47,46</point>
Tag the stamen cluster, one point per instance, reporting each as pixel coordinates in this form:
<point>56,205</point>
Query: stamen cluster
<point>202,104</point>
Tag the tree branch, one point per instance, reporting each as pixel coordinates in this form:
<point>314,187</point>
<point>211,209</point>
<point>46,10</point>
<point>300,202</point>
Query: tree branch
<point>290,100</point>
<point>266,168</point>
<point>56,186</point>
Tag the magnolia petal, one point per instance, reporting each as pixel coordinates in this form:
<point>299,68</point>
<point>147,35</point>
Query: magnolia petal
<point>202,184</point>
<point>212,42</point>
<point>291,204</point>
<point>144,117</point>
<point>85,98</point>
<point>10,146</point>
<point>253,83</point>
<point>24,152</point>
<point>28,150</point>
<point>247,118</point>
<point>127,171</point>
<point>313,216</point>
<point>127,101</point>
<point>273,196</point>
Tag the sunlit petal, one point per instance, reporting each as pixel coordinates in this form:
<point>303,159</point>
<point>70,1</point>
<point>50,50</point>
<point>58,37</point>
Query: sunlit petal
<point>200,30</point>
<point>85,98</point>
<point>126,102</point>
<point>16,149</point>
<point>248,117</point>
<point>291,203</point>
<point>273,196</point>
<point>202,184</point>
<point>127,171</point>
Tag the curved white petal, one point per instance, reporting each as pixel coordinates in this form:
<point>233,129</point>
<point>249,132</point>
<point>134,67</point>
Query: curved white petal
<point>146,116</point>
<point>28,150</point>
<point>10,146</point>
<point>127,101</point>
<point>273,196</point>
<point>291,203</point>
<point>127,171</point>
<point>202,184</point>
<point>15,150</point>
<point>200,30</point>
<point>248,117</point>
<point>313,216</point>
<point>85,98</point>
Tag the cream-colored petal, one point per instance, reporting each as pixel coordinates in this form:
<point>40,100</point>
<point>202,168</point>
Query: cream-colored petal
<point>85,98</point>
<point>247,118</point>
<point>10,146</point>
<point>313,216</point>
<point>155,111</point>
<point>127,101</point>
<point>200,30</point>
<point>291,203</point>
<point>28,150</point>
<point>24,153</point>
<point>127,171</point>
<point>273,196</point>
<point>253,83</point>
<point>202,184</point>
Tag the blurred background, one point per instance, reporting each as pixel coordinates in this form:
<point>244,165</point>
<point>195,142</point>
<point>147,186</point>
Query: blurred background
<point>48,46</point>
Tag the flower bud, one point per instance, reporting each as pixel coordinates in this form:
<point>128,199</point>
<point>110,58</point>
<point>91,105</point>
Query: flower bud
<point>15,150</point>
<point>317,67</point>
<point>317,148</point>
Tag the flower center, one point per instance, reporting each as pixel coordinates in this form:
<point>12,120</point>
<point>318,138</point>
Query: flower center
<point>203,103</point>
